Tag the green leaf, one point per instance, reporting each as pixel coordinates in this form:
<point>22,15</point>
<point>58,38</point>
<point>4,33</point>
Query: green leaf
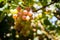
<point>49,1</point>
<point>44,2</point>
<point>46,22</point>
<point>1,0</point>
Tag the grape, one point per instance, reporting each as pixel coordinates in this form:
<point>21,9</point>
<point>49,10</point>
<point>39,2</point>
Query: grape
<point>23,17</point>
<point>18,8</point>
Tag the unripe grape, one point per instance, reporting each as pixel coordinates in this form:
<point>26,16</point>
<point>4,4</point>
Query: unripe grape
<point>14,11</point>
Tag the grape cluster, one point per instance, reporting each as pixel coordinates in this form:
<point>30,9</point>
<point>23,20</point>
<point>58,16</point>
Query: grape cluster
<point>24,15</point>
<point>22,19</point>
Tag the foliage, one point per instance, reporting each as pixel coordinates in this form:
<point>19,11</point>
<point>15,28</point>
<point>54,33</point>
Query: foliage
<point>30,19</point>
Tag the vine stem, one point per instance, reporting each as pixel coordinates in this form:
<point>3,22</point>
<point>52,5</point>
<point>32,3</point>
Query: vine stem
<point>44,6</point>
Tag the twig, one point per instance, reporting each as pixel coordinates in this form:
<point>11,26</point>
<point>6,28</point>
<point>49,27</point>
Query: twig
<point>45,6</point>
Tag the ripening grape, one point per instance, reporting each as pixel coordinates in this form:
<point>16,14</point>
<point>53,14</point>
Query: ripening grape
<point>19,14</point>
<point>29,14</point>
<point>18,8</point>
<point>27,18</point>
<point>14,16</point>
<point>25,12</point>
<point>23,17</point>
